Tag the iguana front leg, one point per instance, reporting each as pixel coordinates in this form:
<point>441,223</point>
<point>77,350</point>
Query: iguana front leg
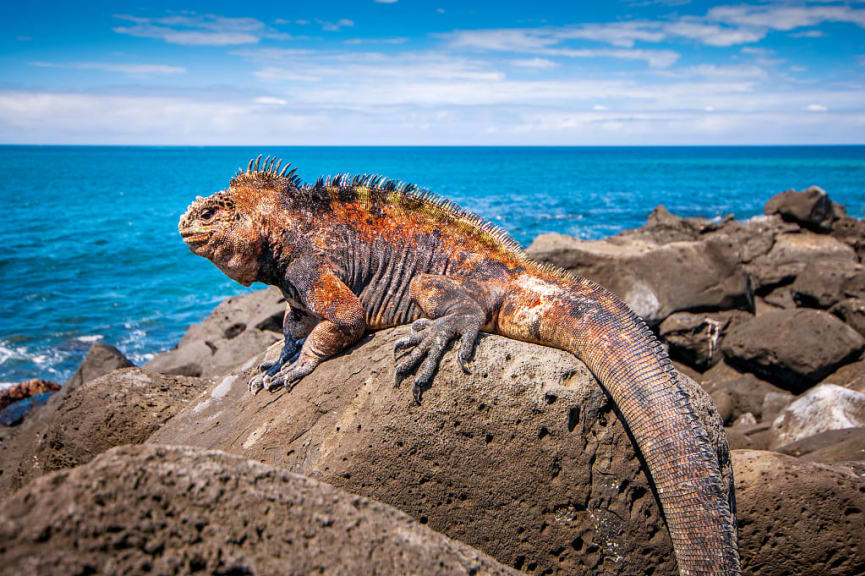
<point>454,310</point>
<point>341,325</point>
<point>296,326</point>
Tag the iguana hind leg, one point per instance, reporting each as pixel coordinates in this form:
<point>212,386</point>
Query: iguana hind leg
<point>452,313</point>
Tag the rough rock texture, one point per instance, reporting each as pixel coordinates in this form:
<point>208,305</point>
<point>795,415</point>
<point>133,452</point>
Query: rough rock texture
<point>26,389</point>
<point>649,277</point>
<point>161,510</point>
<point>829,447</point>
<point>850,376</point>
<point>695,338</point>
<point>789,256</point>
<point>810,208</point>
<point>799,517</point>
<point>852,312</point>
<point>792,348</point>
<point>238,329</point>
<point>824,407</point>
<point>79,422</point>
<point>744,395</point>
<point>851,232</point>
<point>101,359</point>
<point>825,283</point>
<point>756,236</point>
<point>562,489</point>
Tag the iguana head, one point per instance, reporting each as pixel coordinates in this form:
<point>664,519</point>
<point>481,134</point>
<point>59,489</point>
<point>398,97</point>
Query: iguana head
<point>230,227</point>
<point>223,230</point>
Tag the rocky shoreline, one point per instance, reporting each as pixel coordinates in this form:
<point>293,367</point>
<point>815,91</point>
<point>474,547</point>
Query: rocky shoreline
<point>522,465</point>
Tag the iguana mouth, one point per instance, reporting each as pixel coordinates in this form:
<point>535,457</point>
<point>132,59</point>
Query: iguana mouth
<point>195,237</point>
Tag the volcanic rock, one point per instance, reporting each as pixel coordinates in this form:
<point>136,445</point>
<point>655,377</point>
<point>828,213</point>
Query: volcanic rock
<point>162,510</point>
<point>238,329</point>
<point>563,489</point>
<point>793,349</point>
<point>810,208</point>
<point>824,407</point>
<point>655,280</point>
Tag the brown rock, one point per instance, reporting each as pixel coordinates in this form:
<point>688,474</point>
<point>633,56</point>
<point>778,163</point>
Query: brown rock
<point>810,208</point>
<point>824,407</point>
<point>851,232</point>
<point>829,447</point>
<point>824,283</point>
<point>238,329</point>
<point>655,280</point>
<point>790,254</point>
<point>852,312</point>
<point>79,422</point>
<point>562,489</point>
<point>101,359</point>
<point>695,338</point>
<point>793,349</point>
<point>798,517</point>
<point>756,236</point>
<point>850,376</point>
<point>162,510</point>
<point>26,389</point>
<point>744,395</point>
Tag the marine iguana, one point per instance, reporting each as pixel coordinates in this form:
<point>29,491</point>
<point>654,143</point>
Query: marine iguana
<point>352,254</point>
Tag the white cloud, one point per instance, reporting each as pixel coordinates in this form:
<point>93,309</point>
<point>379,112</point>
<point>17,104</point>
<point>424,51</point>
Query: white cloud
<point>807,34</point>
<point>129,68</point>
<point>537,63</point>
<point>785,16</point>
<point>196,30</point>
<point>270,101</point>
<point>360,41</point>
<point>335,26</point>
<point>816,108</point>
<point>386,1</point>
<point>599,108</point>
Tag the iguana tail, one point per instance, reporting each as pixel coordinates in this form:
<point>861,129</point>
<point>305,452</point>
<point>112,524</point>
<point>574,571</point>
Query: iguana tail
<point>579,316</point>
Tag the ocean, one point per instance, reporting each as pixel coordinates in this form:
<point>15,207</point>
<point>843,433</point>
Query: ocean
<point>90,250</point>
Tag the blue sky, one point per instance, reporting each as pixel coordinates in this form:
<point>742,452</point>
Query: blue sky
<point>417,72</point>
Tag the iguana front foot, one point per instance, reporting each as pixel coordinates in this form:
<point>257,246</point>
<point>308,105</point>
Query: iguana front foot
<point>428,341</point>
<point>289,353</point>
<point>287,376</point>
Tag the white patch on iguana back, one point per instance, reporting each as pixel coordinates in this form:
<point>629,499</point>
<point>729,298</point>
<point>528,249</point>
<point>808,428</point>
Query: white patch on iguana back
<point>546,293</point>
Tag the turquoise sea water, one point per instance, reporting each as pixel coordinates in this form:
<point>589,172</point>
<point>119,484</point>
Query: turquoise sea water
<point>89,248</point>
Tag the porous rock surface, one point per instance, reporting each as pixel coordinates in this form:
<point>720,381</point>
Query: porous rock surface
<point>524,459</point>
<point>239,328</point>
<point>171,510</point>
<point>793,349</point>
<point>82,421</point>
<point>799,517</point>
<point>649,277</point>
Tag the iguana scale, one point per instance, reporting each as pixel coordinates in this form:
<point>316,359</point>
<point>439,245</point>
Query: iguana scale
<point>352,254</point>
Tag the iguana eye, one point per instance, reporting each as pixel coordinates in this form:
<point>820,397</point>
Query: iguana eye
<point>208,214</point>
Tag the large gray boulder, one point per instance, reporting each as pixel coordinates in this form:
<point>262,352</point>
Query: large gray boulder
<point>655,280</point>
<point>824,407</point>
<point>793,349</point>
<point>238,329</point>
<point>810,208</point>
<point>852,312</point>
<point>824,283</point>
<point>101,359</point>
<point>162,510</point>
<point>562,491</point>
<point>790,255</point>
<point>799,517</point>
<point>81,421</point>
